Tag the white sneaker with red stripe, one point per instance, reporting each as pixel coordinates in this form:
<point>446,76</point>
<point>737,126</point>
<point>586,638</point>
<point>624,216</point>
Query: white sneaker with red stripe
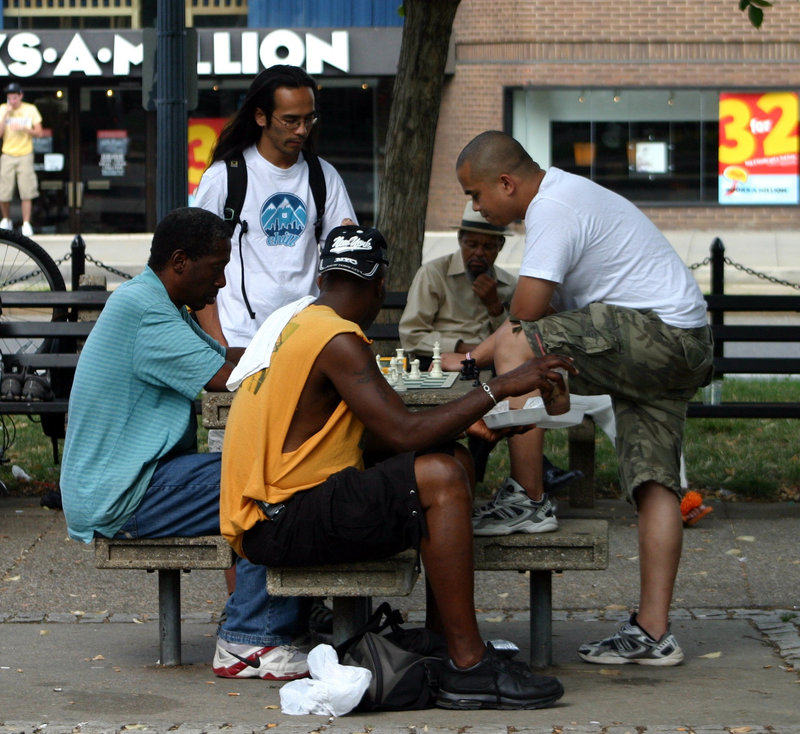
<point>284,662</point>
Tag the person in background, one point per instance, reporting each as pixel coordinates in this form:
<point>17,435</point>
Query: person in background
<point>20,123</point>
<point>459,299</point>
<point>274,249</point>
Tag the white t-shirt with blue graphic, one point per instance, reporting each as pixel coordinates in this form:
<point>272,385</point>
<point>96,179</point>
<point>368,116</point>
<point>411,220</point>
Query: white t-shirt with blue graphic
<point>281,256</point>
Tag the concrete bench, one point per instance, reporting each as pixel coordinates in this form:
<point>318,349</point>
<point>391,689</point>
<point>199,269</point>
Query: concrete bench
<point>168,556</point>
<point>576,545</point>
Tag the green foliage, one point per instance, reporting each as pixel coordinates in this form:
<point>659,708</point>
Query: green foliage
<point>754,10</point>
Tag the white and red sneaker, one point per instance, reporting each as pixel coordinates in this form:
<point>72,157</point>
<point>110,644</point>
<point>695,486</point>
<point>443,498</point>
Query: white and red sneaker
<point>284,662</point>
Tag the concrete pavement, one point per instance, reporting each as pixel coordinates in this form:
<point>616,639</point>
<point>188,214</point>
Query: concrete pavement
<point>78,646</point>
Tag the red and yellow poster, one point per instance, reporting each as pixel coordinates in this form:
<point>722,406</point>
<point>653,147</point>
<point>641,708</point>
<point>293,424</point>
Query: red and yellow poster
<point>203,132</point>
<point>758,148</point>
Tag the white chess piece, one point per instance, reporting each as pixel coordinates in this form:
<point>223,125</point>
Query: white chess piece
<point>400,376</point>
<point>391,374</point>
<point>436,366</point>
<point>415,373</point>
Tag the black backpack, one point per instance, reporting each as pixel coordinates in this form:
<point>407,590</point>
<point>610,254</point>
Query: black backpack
<point>237,187</point>
<point>403,662</point>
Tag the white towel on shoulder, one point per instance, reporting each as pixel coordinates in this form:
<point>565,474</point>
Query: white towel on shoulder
<point>258,354</point>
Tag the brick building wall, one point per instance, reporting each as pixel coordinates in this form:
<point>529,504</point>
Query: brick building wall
<point>606,44</point>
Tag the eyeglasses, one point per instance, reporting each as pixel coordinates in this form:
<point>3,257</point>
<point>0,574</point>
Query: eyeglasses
<point>294,123</point>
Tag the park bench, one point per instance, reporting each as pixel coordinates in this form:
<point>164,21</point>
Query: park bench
<point>41,331</point>
<point>576,545</point>
<point>169,557</point>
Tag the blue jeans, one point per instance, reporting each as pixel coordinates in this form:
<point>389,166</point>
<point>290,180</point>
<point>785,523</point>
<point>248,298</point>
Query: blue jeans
<point>183,500</point>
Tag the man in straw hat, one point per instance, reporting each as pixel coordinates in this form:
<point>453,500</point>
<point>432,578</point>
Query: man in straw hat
<point>459,299</point>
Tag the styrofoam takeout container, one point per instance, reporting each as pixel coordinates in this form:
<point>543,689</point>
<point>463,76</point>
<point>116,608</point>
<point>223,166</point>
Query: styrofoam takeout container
<point>534,413</point>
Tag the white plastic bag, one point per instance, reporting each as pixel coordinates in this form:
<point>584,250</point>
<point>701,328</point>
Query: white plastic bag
<point>332,689</point>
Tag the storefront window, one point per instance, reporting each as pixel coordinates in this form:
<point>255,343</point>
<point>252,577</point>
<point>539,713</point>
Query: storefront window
<point>649,145</point>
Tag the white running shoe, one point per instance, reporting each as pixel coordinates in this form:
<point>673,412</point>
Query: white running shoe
<point>284,662</point>
<point>512,511</point>
<point>631,644</point>
<point>6,224</point>
<point>27,230</point>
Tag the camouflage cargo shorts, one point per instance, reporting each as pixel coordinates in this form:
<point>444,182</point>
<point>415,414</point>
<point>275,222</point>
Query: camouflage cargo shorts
<point>649,368</point>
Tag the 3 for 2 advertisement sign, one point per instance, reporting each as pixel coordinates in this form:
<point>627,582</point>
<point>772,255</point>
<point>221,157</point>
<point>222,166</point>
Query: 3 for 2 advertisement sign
<point>758,148</point>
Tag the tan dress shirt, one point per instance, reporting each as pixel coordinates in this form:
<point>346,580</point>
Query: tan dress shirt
<point>442,307</point>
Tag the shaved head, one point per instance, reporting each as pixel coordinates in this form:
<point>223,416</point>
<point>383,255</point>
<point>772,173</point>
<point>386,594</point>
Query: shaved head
<point>492,153</point>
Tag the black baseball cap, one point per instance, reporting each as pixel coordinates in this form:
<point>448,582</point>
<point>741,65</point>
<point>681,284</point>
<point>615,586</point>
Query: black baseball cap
<point>357,250</point>
<point>13,88</point>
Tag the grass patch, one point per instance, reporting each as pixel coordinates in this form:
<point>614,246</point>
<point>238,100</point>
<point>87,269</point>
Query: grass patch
<point>743,458</point>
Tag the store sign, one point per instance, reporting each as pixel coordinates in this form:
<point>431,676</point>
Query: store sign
<point>758,148</point>
<point>226,53</point>
<point>203,133</point>
<point>112,150</point>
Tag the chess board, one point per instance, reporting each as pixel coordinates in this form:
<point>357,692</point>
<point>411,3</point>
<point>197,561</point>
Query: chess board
<point>426,380</point>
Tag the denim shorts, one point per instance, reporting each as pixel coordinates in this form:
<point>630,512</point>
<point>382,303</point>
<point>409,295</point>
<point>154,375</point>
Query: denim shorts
<point>352,516</point>
<point>649,368</point>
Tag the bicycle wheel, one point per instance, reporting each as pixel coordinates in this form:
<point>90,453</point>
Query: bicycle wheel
<point>25,266</point>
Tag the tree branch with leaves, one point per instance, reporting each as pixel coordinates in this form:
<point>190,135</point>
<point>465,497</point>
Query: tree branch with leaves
<point>755,10</point>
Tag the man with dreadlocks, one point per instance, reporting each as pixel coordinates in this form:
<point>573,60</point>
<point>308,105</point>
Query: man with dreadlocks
<point>274,246</point>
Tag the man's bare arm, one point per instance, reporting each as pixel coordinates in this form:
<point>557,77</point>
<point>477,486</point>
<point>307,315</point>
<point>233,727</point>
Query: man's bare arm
<point>350,365</point>
<point>531,298</point>
<point>208,318</point>
<point>232,357</point>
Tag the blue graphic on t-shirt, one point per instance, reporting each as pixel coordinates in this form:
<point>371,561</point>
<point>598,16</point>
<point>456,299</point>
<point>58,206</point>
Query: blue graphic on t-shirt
<point>283,219</point>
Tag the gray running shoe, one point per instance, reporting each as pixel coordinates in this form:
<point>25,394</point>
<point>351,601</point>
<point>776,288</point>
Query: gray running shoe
<point>631,644</point>
<point>507,488</point>
<point>512,511</point>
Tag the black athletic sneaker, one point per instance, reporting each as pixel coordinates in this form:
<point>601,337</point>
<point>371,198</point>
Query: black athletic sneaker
<point>496,682</point>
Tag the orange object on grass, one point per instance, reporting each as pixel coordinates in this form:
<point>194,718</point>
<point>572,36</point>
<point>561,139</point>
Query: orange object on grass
<point>692,508</point>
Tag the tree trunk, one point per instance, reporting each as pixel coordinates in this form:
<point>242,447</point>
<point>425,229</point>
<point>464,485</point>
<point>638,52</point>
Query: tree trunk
<point>414,113</point>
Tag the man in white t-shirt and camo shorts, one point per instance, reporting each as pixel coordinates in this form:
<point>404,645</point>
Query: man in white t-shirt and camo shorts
<point>599,283</point>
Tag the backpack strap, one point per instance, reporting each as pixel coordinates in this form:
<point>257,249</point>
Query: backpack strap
<point>237,186</point>
<point>232,211</point>
<point>316,180</point>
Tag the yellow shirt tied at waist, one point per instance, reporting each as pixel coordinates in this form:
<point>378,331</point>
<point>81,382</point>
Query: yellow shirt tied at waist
<point>254,465</point>
<point>17,138</point>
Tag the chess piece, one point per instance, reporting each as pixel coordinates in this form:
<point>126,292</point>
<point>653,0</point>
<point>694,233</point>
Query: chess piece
<point>400,376</point>
<point>415,373</point>
<point>470,371</point>
<point>391,374</point>
<point>436,365</point>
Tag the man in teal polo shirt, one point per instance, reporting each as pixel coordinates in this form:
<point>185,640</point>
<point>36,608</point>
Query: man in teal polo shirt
<point>131,467</point>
